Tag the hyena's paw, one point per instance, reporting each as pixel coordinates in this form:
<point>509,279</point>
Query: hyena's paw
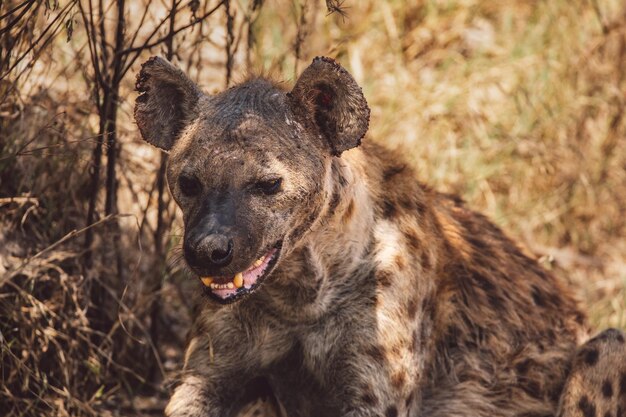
<point>596,386</point>
<point>190,400</point>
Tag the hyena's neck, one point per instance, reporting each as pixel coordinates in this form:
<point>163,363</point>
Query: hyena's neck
<point>341,237</point>
<point>334,253</point>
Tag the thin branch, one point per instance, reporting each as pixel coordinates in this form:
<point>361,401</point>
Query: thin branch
<point>62,14</point>
<point>103,36</point>
<point>9,275</point>
<point>12,23</point>
<point>93,55</point>
<point>155,30</point>
<point>19,200</point>
<point>139,26</point>
<point>16,8</point>
<point>229,42</point>
<point>336,6</point>
<point>178,30</point>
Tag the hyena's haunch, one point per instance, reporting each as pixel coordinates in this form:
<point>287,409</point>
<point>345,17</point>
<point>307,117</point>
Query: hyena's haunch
<point>351,288</point>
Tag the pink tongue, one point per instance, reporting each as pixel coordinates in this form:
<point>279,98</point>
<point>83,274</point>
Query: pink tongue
<point>250,277</point>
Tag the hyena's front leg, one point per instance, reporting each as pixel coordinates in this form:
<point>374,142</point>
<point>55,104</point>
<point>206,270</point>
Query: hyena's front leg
<point>224,353</point>
<point>372,386</point>
<point>376,371</point>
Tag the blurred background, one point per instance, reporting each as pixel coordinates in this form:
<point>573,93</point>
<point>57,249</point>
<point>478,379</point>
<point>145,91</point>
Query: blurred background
<point>517,106</point>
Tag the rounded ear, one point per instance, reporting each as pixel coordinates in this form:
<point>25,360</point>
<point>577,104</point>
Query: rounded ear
<point>327,96</point>
<point>166,103</point>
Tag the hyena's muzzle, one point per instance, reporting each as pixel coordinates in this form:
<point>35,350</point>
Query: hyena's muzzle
<point>215,246</point>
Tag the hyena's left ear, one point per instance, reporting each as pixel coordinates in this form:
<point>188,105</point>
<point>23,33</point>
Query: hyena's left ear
<point>327,96</point>
<point>166,104</point>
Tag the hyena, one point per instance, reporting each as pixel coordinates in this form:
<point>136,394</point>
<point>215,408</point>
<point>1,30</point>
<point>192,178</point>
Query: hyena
<point>354,290</point>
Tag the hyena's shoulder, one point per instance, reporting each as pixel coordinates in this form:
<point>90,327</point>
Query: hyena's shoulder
<point>483,307</point>
<point>483,282</point>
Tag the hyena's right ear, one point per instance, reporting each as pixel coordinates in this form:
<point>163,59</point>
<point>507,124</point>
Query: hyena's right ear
<point>166,103</point>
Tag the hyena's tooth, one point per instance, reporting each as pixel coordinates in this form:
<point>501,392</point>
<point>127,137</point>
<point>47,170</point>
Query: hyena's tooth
<point>259,261</point>
<point>238,280</point>
<point>230,285</point>
<point>207,281</point>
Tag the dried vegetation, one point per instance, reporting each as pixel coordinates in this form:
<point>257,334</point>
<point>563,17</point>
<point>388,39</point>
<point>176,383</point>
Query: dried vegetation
<point>517,106</point>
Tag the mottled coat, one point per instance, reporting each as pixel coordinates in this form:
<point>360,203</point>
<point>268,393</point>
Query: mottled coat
<point>383,297</point>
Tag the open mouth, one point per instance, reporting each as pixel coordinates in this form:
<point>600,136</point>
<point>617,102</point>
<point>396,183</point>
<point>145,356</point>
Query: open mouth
<point>227,289</point>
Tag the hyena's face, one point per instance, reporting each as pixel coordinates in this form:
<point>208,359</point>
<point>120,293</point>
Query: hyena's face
<point>247,187</point>
<point>249,167</point>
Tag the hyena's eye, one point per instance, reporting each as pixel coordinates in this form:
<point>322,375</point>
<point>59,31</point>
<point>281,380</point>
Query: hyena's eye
<point>269,187</point>
<point>190,186</point>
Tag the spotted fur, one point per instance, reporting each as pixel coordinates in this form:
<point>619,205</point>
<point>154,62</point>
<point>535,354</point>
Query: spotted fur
<point>389,298</point>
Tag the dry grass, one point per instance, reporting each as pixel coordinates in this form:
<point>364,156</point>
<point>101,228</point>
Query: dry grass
<point>516,105</point>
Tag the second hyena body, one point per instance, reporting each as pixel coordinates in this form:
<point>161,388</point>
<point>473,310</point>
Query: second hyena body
<point>387,298</point>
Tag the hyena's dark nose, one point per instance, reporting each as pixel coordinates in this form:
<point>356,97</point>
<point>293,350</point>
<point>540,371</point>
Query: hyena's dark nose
<point>212,250</point>
<point>221,252</point>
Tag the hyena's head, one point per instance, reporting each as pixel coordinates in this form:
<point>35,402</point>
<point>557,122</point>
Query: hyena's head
<point>249,167</point>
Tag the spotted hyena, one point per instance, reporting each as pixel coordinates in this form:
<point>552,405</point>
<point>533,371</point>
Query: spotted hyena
<point>330,272</point>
